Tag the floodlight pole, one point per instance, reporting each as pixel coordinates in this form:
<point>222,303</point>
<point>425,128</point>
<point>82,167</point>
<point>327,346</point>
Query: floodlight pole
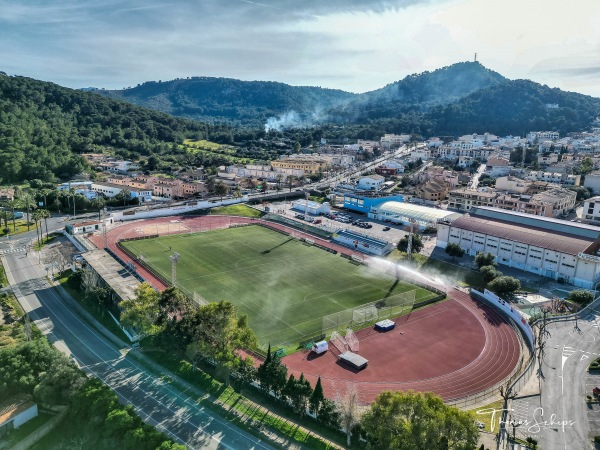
<point>174,259</point>
<point>410,238</point>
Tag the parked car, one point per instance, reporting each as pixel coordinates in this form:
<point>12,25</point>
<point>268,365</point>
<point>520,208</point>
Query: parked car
<point>596,391</point>
<point>386,228</point>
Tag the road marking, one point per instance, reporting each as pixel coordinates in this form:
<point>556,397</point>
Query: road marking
<point>134,365</point>
<point>583,357</point>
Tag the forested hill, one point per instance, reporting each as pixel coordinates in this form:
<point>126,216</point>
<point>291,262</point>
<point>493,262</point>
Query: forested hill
<point>44,127</point>
<point>248,103</point>
<point>515,107</point>
<point>421,91</point>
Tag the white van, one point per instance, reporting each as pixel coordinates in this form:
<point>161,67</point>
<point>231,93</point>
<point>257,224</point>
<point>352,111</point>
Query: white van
<point>320,347</point>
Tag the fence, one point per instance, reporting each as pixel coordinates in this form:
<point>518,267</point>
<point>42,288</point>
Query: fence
<point>31,439</point>
<point>374,311</point>
<point>524,378</point>
<point>299,226</point>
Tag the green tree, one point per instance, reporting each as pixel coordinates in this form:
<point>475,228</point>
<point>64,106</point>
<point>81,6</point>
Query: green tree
<point>98,203</point>
<point>272,374</point>
<point>417,243</point>
<point>581,297</point>
<point>298,393</point>
<point>504,286</point>
<point>45,215</point>
<point>12,205</point>
<point>317,397</point>
<point>142,312</point>
<point>454,250</point>
<point>37,217</point>
<point>26,200</point>
<point>485,259</point>
<point>60,382</point>
<point>219,333</point>
<point>418,421</point>
<point>488,273</point>
<point>220,189</point>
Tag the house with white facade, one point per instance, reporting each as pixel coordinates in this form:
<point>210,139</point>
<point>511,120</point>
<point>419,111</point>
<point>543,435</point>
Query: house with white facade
<point>370,183</point>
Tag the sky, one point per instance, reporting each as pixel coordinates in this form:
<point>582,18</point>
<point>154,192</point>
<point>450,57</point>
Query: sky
<point>355,45</point>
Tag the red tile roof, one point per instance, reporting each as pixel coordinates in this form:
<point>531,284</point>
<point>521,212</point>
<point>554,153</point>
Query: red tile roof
<point>560,242</point>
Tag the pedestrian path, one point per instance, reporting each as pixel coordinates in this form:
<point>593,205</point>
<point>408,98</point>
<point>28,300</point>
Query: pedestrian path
<point>12,250</point>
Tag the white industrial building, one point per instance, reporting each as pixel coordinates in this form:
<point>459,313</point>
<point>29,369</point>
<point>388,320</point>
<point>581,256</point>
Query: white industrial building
<point>545,246</point>
<point>310,207</point>
<point>406,213</point>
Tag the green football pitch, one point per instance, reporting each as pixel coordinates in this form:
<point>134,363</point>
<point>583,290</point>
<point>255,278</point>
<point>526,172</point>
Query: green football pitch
<point>285,286</point>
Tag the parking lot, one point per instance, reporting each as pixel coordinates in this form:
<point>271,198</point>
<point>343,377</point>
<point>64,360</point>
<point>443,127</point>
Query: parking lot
<point>380,230</point>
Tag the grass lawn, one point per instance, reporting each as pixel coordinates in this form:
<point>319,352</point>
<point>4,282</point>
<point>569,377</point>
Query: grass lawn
<point>237,210</point>
<point>244,405</point>
<point>3,279</point>
<point>97,311</point>
<point>486,418</point>
<point>20,227</point>
<point>26,429</point>
<point>284,286</point>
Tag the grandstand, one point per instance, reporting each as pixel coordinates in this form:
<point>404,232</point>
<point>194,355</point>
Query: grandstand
<point>362,243</point>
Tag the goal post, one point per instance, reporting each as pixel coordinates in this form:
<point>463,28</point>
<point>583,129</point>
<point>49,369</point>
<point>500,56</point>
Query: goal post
<point>338,342</point>
<point>352,340</point>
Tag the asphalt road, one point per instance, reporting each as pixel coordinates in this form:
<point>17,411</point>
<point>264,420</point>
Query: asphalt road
<point>155,399</point>
<point>559,418</point>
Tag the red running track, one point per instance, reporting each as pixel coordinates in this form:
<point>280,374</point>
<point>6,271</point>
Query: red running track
<point>455,348</point>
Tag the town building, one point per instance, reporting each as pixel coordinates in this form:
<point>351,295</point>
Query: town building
<point>540,245</point>
<point>16,411</point>
<point>110,190</point>
<point>7,195</point>
<point>307,166</point>
<point>370,183</point>
<point>592,182</point>
<point>409,213</point>
<point>310,207</point>
<point>432,191</point>
<point>363,204</point>
<point>466,199</point>
<point>591,209</point>
<point>389,141</point>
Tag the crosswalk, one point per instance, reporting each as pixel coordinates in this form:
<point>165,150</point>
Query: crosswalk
<point>12,250</point>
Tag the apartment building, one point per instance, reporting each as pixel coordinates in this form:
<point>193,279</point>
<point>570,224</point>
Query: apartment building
<point>466,199</point>
<point>307,166</point>
<point>432,191</point>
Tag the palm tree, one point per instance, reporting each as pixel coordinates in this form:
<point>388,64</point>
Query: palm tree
<point>45,214</point>
<point>44,193</point>
<point>27,201</point>
<point>37,217</point>
<point>126,195</point>
<point>13,204</point>
<point>98,203</point>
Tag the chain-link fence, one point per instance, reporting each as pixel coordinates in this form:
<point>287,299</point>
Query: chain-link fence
<point>360,316</point>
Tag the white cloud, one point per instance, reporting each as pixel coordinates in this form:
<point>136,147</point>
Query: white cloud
<point>355,45</point>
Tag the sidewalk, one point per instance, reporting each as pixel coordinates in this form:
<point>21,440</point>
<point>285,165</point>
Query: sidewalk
<point>189,388</point>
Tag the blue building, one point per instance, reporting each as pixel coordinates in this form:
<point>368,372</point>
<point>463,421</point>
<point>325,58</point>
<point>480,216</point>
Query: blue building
<point>363,204</point>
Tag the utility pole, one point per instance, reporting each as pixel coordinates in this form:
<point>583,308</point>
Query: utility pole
<point>174,260</point>
<point>410,238</point>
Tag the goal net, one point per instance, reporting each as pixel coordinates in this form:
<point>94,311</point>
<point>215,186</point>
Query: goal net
<point>365,314</point>
<point>338,341</point>
<point>352,340</point>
